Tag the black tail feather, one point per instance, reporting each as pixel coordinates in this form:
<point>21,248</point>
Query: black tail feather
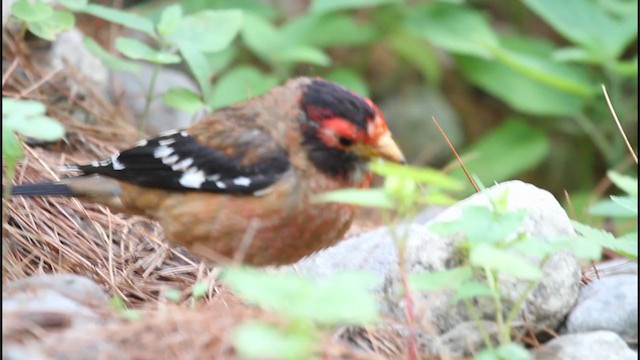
<point>42,189</point>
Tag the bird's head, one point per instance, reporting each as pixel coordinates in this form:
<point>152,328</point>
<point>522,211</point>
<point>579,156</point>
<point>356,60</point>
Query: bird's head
<point>343,128</point>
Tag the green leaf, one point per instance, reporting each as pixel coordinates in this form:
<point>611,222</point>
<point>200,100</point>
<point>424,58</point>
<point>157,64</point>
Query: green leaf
<point>241,83</point>
<point>471,289</point>
<point>21,109</point>
<point>420,174</point>
<point>199,289</point>
<point>11,148</point>
<point>207,30</point>
<point>441,24</point>
<point>260,36</point>
<point>199,67</point>
<point>349,79</point>
<point>561,76</point>
<point>172,295</point>
<point>440,280</point>
<point>611,209</point>
<point>418,53</point>
<point>299,298</point>
<point>169,19</point>
<point>326,30</point>
<point>40,127</point>
<point>259,341</point>
<point>48,28</point>
<point>518,90</point>
<point>108,59</point>
<point>626,68</point>
<point>503,261</point>
<point>29,11</point>
<point>75,5</point>
<point>302,54</point>
<point>137,50</point>
<point>183,99</point>
<point>377,198</point>
<point>588,24</point>
<point>480,225</point>
<point>220,60</point>
<point>628,184</point>
<point>512,148</point>
<point>121,17</point>
<point>335,5</point>
<point>628,202</point>
<point>628,246</point>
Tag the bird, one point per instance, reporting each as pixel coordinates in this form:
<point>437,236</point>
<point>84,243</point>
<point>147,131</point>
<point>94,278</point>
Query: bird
<point>243,179</point>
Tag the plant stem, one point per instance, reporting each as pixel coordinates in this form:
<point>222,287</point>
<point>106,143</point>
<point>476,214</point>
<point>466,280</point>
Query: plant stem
<point>505,336</point>
<point>516,307</point>
<point>149,98</point>
<point>476,318</point>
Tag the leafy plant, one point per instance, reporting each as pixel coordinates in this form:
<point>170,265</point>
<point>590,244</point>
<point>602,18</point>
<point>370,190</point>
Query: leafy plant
<point>24,118</point>
<point>306,307</point>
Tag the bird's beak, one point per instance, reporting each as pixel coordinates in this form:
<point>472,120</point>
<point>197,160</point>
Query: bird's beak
<point>384,147</point>
<point>387,149</point>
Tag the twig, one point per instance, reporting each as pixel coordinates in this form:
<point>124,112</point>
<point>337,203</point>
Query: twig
<point>615,117</point>
<point>455,153</point>
<point>39,83</point>
<point>10,70</point>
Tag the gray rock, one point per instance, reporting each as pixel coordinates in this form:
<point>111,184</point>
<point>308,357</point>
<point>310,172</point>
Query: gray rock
<point>68,50</point>
<point>133,90</point>
<point>546,305</point>
<point>597,345</point>
<point>55,305</point>
<point>610,303</point>
<point>612,268</point>
<point>465,338</point>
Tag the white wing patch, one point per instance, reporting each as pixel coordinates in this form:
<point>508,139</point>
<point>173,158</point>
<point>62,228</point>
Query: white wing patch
<point>192,178</point>
<point>117,165</point>
<point>162,152</point>
<point>242,181</point>
<point>182,164</point>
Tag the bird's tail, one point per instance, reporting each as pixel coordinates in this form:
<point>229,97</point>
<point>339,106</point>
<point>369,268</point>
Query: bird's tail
<point>42,189</point>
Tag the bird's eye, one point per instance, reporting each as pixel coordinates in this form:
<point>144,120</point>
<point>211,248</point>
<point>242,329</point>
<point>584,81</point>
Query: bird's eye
<point>345,141</point>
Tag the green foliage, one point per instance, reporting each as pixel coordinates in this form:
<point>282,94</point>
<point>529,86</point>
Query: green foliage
<point>404,188</point>
<point>515,146</point>
<point>303,303</point>
<point>621,207</point>
<point>26,118</point>
<point>41,19</point>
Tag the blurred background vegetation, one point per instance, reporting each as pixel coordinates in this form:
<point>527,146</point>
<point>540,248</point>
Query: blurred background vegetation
<point>516,84</point>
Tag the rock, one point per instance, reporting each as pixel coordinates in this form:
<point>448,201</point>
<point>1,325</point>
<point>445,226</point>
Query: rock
<point>68,50</point>
<point>597,345</point>
<point>546,305</point>
<point>372,252</point>
<point>55,305</point>
<point>611,268</point>
<point>610,303</point>
<point>133,90</point>
<point>465,339</point>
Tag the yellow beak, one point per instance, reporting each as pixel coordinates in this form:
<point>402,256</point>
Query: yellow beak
<point>385,148</point>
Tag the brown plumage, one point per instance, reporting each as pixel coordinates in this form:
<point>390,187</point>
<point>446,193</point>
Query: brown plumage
<point>241,181</point>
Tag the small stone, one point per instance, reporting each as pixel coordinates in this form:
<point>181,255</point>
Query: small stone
<point>610,303</point>
<point>597,345</point>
